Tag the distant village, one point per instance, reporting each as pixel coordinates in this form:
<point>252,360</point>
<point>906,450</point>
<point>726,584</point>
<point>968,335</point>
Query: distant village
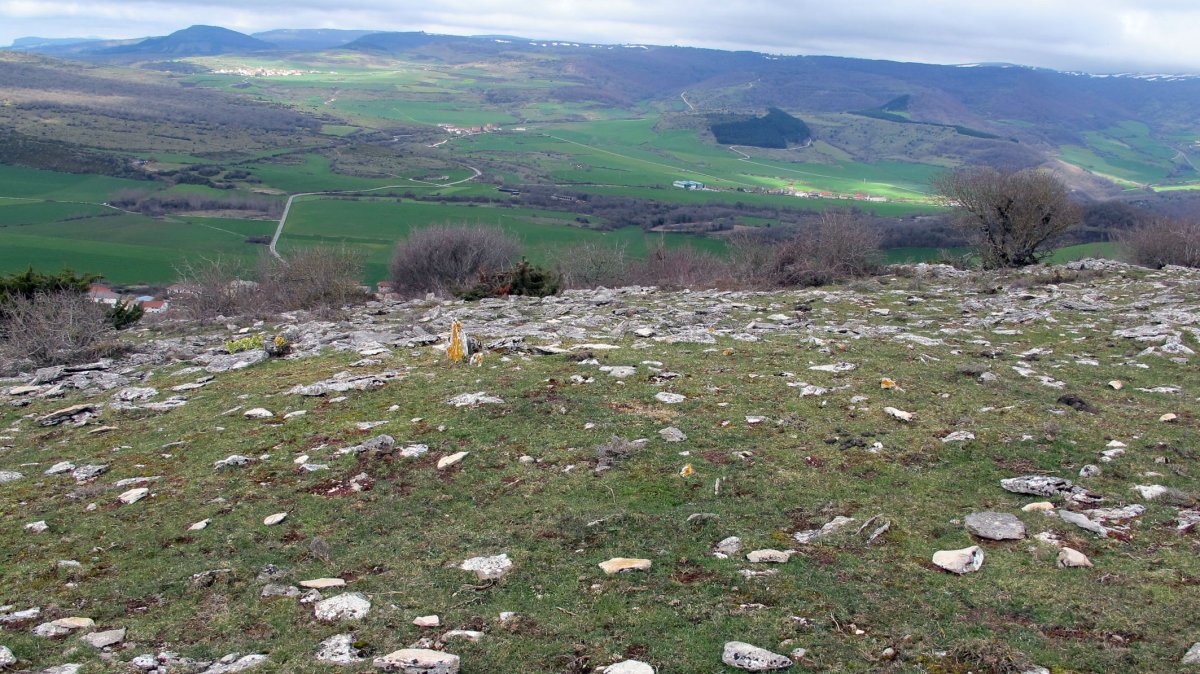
<point>149,303</point>
<point>473,130</point>
<point>246,71</point>
<point>785,191</point>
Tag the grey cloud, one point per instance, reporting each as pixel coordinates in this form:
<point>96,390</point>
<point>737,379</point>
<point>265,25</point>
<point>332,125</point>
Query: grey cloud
<point>1097,35</point>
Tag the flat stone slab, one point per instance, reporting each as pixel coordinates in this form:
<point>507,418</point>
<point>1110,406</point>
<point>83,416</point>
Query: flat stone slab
<point>751,658</point>
<point>995,526</point>
<point>418,661</point>
<point>621,564</point>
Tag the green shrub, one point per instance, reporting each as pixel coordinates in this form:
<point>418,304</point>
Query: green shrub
<point>244,344</point>
<point>523,279</point>
<point>124,314</point>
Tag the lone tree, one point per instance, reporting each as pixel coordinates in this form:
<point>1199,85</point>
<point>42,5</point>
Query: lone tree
<point>1012,215</point>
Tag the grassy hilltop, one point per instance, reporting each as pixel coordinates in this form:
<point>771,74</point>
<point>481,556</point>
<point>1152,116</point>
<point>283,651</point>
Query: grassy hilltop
<point>775,444</point>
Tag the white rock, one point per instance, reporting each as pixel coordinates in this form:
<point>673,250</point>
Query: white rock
<point>672,434</point>
<point>728,547</point>
<point>323,583</point>
<point>829,528</point>
<point>60,467</point>
<point>1038,506</point>
<point>236,665</point>
<point>104,639</point>
<point>629,667</point>
<point>488,568</point>
<point>198,526</point>
<point>414,451</point>
<point>834,367</point>
<point>625,564</point>
<point>960,561</point>
<point>448,461</point>
<point>470,635</point>
<point>1070,557</point>
<point>339,650</point>
<point>770,556</point>
<point>348,606</point>
<point>258,413</point>
<point>7,659</point>
<point>752,658</point>
<point>1192,657</point>
<point>995,526</point>
<point>427,621</point>
<point>669,398</point>
<point>37,527</point>
<point>1168,418</point>
<point>9,476</point>
<point>755,420</point>
<point>959,436</point>
<point>1083,522</point>
<point>133,495</point>
<point>1150,491</point>
<point>898,414</point>
<point>272,520</point>
<point>474,399</point>
<point>418,661</point>
<point>63,626</point>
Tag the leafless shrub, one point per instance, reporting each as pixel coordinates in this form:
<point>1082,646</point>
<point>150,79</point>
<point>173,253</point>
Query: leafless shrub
<point>593,264</point>
<point>56,328</point>
<point>1012,216</point>
<point>212,287</point>
<point>311,278</point>
<point>681,267</point>
<point>750,256</point>
<point>444,258</point>
<point>839,247</point>
<point>1161,242</point>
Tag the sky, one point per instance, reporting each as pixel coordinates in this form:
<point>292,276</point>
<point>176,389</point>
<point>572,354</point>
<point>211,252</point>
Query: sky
<point>1101,36</point>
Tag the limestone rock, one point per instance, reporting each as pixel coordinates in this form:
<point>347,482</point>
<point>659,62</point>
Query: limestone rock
<point>63,627</point>
<point>7,659</point>
<point>133,495</point>
<point>995,526</point>
<point>272,520</point>
<point>827,529</point>
<point>1192,657</point>
<point>60,467</point>
<point>9,476</point>
<point>339,650</point>
<point>1083,522</point>
<point>669,398</point>
<point>474,400</point>
<point>898,414</point>
<point>770,556</point>
<point>418,661</point>
<point>672,434</point>
<point>473,636</point>
<point>488,568</point>
<point>623,564</point>
<point>1038,485</point>
<point>752,658</point>
<point>1037,506</point>
<point>728,547</point>
<point>427,621</point>
<point>88,472</point>
<point>451,460</point>
<point>323,583</point>
<point>104,639</point>
<point>258,413</point>
<point>960,561</point>
<point>348,606</point>
<point>1070,557</point>
<point>629,667</point>
<point>236,664</point>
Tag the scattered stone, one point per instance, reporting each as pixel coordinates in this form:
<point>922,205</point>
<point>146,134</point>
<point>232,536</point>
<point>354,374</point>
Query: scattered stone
<point>829,528</point>
<point>272,590</point>
<point>1083,522</point>
<point>272,520</point>
<point>669,398</point>
<point>101,640</point>
<point>474,400</point>
<point>1116,384</point>
<point>1038,485</point>
<point>1150,491</point>
<point>18,617</point>
<point>69,668</point>
<point>7,659</point>
<point>448,461</point>
<point>900,415</point>
<point>1070,557</point>
<point>834,367</point>
<point>76,414</point>
<point>232,461</point>
<point>133,495</point>
<point>1169,417</point>
<point>770,556</point>
<point>1090,470</point>
<point>62,627</point>
<point>672,434</point>
<point>258,413</point>
<point>624,564</point>
<point>379,443</point>
<point>1038,506</point>
<point>995,526</point>
<point>89,472</point>
<point>470,635</point>
<point>339,650</point>
<point>728,547</point>
<point>1186,521</point>
<point>752,658</point>
<point>418,661</point>
<point>231,663</point>
<point>427,621</point>
<point>134,394</point>
<point>9,476</point>
<point>37,527</point>
<point>959,436</point>
<point>348,606</point>
<point>323,583</point>
<point>488,568</point>
<point>629,667</point>
<point>1192,657</point>
<point>962,561</point>
<point>59,468</point>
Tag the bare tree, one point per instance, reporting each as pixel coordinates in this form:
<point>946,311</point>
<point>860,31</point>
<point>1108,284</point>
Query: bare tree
<point>1163,241</point>
<point>1012,216</point>
<point>448,257</point>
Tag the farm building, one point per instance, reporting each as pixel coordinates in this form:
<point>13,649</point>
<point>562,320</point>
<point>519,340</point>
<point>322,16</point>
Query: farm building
<point>688,185</point>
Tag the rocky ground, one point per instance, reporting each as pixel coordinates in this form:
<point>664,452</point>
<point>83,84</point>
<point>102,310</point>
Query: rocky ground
<point>932,471</point>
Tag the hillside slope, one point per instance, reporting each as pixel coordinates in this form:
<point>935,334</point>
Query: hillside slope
<point>846,434</point>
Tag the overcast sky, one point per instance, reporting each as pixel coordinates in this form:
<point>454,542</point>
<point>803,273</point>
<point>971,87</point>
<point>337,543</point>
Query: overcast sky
<point>1092,35</point>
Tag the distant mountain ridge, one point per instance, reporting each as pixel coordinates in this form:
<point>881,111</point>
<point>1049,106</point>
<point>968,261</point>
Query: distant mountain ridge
<point>194,41</point>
